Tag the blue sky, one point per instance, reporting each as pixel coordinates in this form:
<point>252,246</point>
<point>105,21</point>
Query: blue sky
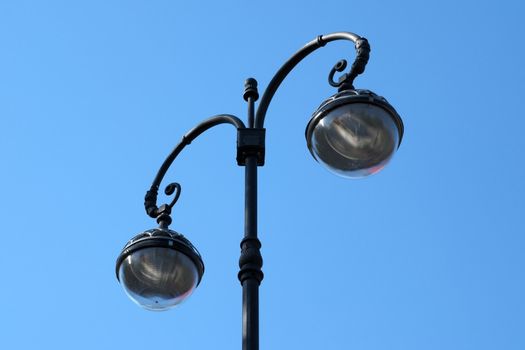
<point>428,254</point>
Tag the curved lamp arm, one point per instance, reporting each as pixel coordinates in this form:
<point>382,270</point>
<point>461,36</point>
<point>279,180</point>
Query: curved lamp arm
<point>150,200</point>
<point>358,67</point>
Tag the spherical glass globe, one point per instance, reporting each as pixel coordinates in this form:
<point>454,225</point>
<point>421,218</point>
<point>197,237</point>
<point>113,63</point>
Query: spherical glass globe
<point>354,137</point>
<point>158,278</point>
<point>159,269</point>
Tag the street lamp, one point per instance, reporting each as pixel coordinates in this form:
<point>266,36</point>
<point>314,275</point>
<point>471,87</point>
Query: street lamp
<point>354,134</point>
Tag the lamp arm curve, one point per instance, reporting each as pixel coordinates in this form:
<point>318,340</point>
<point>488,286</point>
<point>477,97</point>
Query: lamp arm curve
<point>358,67</point>
<point>150,200</point>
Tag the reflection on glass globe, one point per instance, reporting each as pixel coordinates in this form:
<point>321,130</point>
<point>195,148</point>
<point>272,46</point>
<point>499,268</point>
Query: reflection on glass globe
<point>159,269</point>
<point>354,136</point>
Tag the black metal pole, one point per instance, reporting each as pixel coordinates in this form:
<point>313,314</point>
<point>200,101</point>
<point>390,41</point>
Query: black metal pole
<point>251,155</point>
<point>250,261</point>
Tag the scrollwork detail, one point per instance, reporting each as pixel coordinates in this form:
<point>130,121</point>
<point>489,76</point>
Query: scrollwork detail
<point>150,200</point>
<point>338,67</point>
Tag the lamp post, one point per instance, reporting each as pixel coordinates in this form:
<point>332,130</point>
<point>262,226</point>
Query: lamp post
<point>354,133</point>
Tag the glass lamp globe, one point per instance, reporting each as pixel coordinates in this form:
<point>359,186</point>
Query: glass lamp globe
<point>159,269</point>
<point>354,133</point>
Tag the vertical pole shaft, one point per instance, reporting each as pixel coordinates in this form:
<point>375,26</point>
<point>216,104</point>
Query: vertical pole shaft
<point>250,262</point>
<point>250,285</point>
